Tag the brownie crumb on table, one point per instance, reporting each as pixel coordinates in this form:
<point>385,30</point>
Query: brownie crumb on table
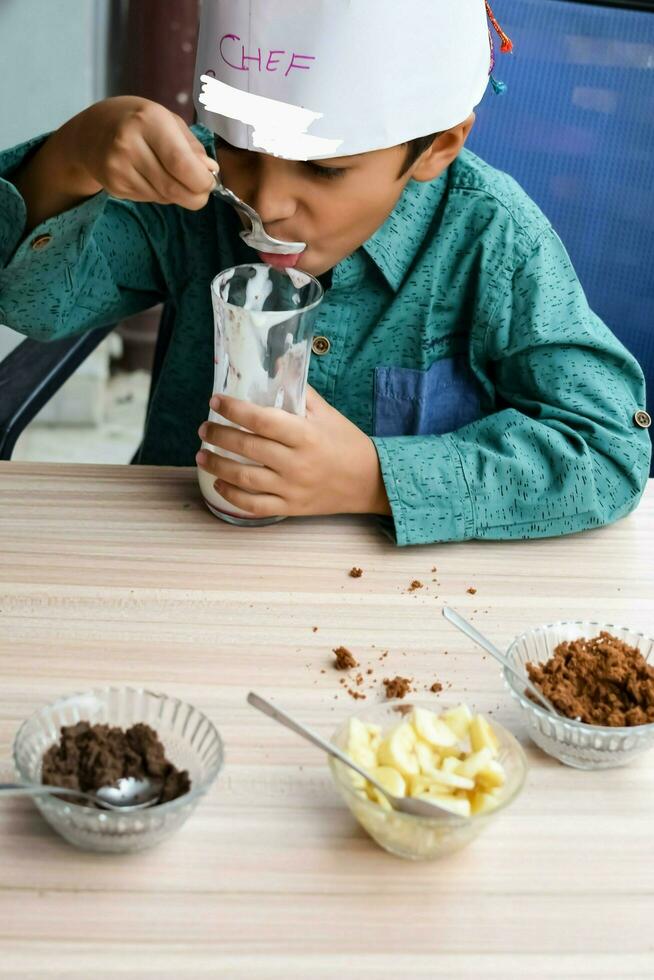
<point>415,585</point>
<point>436,687</point>
<point>345,660</point>
<point>602,681</point>
<point>471,591</point>
<point>397,687</point>
<point>356,572</point>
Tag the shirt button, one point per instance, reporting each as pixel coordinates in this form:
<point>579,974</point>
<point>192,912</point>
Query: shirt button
<point>320,346</point>
<point>643,419</point>
<point>41,242</point>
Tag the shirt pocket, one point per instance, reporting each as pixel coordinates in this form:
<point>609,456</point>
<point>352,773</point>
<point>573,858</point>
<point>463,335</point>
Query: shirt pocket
<point>409,402</point>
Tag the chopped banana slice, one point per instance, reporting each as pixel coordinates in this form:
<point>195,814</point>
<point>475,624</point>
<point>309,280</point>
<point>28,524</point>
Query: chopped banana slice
<point>452,779</point>
<point>475,762</point>
<point>357,733</point>
<point>450,764</point>
<point>482,735</point>
<point>481,802</point>
<point>377,797</point>
<point>390,780</point>
<point>491,776</point>
<point>424,786</point>
<point>398,750</point>
<point>366,757</point>
<point>428,759</point>
<point>458,719</point>
<point>430,728</point>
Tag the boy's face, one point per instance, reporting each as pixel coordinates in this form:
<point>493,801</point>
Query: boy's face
<point>333,205</point>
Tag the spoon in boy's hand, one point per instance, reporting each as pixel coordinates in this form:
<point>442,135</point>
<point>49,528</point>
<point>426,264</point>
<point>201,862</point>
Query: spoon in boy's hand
<point>405,804</point>
<point>482,641</point>
<point>257,238</point>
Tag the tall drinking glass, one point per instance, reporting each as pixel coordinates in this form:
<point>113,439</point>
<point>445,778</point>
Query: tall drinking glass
<point>263,319</point>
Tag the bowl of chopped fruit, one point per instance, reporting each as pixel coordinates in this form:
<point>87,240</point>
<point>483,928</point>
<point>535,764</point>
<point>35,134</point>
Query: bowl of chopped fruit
<point>471,768</point>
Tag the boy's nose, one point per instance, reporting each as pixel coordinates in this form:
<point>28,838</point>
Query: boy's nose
<point>273,194</point>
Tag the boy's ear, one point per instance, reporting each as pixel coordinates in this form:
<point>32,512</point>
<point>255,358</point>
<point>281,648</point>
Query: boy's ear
<point>442,151</point>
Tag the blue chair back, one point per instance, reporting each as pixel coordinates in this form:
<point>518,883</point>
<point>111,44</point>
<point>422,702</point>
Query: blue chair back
<point>576,130</point>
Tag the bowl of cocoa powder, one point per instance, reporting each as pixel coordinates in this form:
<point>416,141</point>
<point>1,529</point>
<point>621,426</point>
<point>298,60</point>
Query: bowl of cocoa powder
<point>86,741</point>
<point>600,679</point>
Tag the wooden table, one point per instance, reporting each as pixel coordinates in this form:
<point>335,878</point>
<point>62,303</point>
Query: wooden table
<point>119,575</point>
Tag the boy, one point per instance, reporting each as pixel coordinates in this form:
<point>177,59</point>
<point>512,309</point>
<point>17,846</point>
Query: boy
<point>460,385</point>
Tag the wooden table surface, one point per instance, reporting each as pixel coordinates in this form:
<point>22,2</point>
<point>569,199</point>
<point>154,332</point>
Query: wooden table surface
<point>118,575</point>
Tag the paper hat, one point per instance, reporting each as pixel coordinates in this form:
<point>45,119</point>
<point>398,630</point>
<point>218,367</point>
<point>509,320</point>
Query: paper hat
<point>309,79</point>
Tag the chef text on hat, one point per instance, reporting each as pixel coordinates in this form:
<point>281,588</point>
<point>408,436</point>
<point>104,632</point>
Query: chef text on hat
<point>309,79</point>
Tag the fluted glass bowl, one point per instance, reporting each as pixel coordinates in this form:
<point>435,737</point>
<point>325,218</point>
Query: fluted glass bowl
<point>420,838</point>
<point>191,742</point>
<point>573,742</point>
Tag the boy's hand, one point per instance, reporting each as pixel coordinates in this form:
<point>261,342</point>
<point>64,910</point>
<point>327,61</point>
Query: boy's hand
<point>138,150</point>
<point>133,148</point>
<point>320,464</point>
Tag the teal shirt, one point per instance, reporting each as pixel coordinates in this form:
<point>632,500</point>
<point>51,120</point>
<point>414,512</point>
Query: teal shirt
<point>459,338</point>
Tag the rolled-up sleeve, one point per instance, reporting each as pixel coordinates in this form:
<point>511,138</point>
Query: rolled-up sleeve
<point>93,264</point>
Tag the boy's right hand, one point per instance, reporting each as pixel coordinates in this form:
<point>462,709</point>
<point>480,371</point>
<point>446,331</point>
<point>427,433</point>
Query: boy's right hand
<point>138,150</point>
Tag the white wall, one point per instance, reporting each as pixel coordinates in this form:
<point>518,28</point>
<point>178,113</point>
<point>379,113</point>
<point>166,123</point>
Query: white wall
<point>52,58</point>
<point>52,65</point>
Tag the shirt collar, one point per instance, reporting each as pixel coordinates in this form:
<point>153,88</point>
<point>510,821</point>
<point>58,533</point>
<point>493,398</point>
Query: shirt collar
<point>396,243</point>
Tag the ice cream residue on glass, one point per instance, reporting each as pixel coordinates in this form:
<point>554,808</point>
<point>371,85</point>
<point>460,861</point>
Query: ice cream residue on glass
<point>261,355</point>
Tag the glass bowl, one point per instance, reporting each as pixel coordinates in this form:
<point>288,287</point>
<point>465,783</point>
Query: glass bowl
<point>573,742</point>
<point>191,742</point>
<point>420,838</point>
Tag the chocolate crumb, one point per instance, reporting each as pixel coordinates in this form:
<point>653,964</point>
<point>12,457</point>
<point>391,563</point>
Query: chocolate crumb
<point>356,572</point>
<point>602,681</point>
<point>90,756</point>
<point>436,687</point>
<point>471,591</point>
<point>344,659</point>
<point>434,569</point>
<point>397,687</point>
<point>403,709</point>
<point>315,629</point>
<point>416,584</point>
<point>369,670</point>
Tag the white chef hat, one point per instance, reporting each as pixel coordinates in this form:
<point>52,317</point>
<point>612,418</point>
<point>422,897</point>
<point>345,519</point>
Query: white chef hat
<point>309,79</point>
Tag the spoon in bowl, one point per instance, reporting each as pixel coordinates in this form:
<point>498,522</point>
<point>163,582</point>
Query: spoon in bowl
<point>470,631</point>
<point>257,237</point>
<point>405,804</point>
<point>128,795</point>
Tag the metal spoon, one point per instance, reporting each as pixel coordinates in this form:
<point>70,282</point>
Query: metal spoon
<point>405,804</point>
<point>486,644</point>
<point>257,238</point>
<point>127,796</point>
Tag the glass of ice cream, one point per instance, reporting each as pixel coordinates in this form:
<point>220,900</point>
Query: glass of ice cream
<point>263,331</point>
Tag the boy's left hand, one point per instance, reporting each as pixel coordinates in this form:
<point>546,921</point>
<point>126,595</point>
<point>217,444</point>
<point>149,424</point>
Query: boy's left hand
<point>319,464</point>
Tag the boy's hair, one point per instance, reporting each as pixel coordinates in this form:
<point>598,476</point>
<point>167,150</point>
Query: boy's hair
<point>416,148</point>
